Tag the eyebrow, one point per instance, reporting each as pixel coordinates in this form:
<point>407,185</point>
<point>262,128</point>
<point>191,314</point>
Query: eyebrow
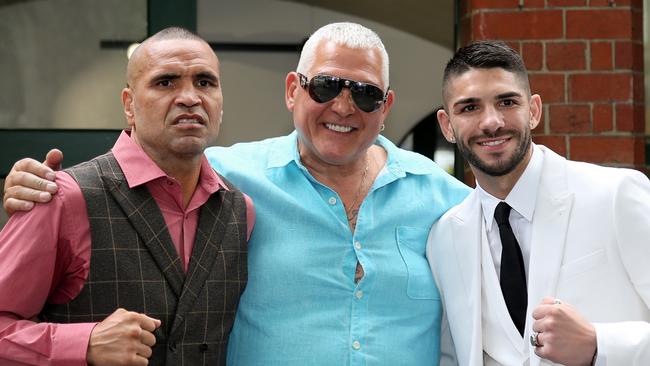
<point>206,75</point>
<point>509,95</point>
<point>472,100</point>
<point>165,76</point>
<point>469,100</point>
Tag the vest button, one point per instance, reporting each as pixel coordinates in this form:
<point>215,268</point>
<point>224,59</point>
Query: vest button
<point>203,347</point>
<point>172,346</point>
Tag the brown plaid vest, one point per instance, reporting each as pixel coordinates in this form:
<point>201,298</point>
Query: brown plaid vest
<point>134,265</point>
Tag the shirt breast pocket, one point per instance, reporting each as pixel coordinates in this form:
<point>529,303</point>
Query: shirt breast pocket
<point>412,242</point>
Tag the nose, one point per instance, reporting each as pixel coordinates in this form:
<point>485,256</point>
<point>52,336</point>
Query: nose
<point>343,104</point>
<point>491,120</point>
<point>188,96</point>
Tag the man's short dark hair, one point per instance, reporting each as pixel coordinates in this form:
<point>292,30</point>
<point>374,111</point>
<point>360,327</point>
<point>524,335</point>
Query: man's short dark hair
<point>485,55</point>
<point>175,33</point>
<point>171,33</point>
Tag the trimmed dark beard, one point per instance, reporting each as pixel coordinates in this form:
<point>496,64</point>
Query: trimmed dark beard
<point>502,167</point>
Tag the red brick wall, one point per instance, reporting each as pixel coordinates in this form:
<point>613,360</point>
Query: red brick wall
<point>585,59</point>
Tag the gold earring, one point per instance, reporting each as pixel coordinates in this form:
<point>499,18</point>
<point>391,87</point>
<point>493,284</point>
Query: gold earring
<point>383,127</point>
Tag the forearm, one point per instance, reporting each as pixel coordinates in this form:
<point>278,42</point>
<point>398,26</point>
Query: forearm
<point>26,342</point>
<point>628,343</point>
<point>623,343</point>
<point>37,240</point>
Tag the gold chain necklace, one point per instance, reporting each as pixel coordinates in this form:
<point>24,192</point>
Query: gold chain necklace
<point>352,211</point>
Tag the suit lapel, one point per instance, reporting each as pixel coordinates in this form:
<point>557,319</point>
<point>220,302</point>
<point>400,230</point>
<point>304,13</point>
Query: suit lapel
<point>143,212</point>
<point>550,224</point>
<point>467,245</point>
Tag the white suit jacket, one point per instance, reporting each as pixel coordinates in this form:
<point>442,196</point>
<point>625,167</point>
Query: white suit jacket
<point>590,248</point>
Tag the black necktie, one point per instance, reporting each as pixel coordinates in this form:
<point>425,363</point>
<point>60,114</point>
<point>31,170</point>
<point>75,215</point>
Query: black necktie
<point>513,275</point>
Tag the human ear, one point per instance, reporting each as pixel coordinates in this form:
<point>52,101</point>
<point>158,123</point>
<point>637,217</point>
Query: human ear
<point>445,125</point>
<point>535,110</point>
<point>127,103</point>
<point>292,83</point>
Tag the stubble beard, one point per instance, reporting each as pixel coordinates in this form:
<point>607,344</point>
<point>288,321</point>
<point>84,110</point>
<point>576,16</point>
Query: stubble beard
<point>500,167</point>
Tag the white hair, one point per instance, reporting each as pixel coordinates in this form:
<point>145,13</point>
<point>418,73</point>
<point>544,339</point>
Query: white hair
<point>350,35</point>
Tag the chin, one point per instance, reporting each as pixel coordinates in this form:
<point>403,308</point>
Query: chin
<point>334,159</point>
<point>496,170</point>
<point>496,167</point>
<point>188,149</point>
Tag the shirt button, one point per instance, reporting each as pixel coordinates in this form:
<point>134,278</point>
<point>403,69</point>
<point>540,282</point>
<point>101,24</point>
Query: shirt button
<point>359,294</point>
<point>356,345</point>
<point>357,245</point>
<point>332,200</point>
<point>169,182</point>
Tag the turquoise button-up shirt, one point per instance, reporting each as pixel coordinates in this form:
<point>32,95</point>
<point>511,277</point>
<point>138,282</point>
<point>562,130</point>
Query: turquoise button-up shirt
<point>301,305</point>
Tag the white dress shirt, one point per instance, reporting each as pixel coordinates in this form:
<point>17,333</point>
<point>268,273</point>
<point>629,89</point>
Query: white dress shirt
<point>522,198</point>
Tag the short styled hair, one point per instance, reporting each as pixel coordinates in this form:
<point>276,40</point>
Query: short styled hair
<point>175,33</point>
<point>350,35</point>
<point>171,33</point>
<point>486,54</point>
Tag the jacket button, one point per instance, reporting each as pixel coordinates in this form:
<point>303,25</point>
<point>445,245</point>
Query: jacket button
<point>203,347</point>
<point>172,346</point>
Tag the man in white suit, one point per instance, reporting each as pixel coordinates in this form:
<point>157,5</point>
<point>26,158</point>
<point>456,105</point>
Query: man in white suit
<point>564,277</point>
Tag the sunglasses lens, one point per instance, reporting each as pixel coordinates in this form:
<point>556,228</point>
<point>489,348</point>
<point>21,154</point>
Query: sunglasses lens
<point>323,88</point>
<point>367,97</point>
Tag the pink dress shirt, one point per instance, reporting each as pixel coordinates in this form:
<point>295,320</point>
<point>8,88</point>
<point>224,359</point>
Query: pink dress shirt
<point>45,256</point>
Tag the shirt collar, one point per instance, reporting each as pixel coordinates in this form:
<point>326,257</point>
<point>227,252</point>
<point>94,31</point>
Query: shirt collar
<point>523,196</point>
<point>285,151</point>
<point>138,168</point>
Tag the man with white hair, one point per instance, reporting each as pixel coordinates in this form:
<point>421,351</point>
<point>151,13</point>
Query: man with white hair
<point>337,272</point>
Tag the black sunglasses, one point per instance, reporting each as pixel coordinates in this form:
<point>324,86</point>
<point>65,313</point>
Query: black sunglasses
<point>323,88</point>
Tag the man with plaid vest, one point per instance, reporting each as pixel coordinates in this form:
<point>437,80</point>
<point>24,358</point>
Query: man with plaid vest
<point>141,257</point>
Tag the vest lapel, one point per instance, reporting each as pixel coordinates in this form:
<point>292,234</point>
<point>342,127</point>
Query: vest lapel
<point>143,212</point>
<point>501,338</point>
<point>206,250</point>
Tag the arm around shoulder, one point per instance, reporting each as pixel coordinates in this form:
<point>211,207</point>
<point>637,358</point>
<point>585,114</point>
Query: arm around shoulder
<point>30,181</point>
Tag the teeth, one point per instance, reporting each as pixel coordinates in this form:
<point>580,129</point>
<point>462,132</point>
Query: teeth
<point>188,120</point>
<point>492,143</point>
<point>338,128</point>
